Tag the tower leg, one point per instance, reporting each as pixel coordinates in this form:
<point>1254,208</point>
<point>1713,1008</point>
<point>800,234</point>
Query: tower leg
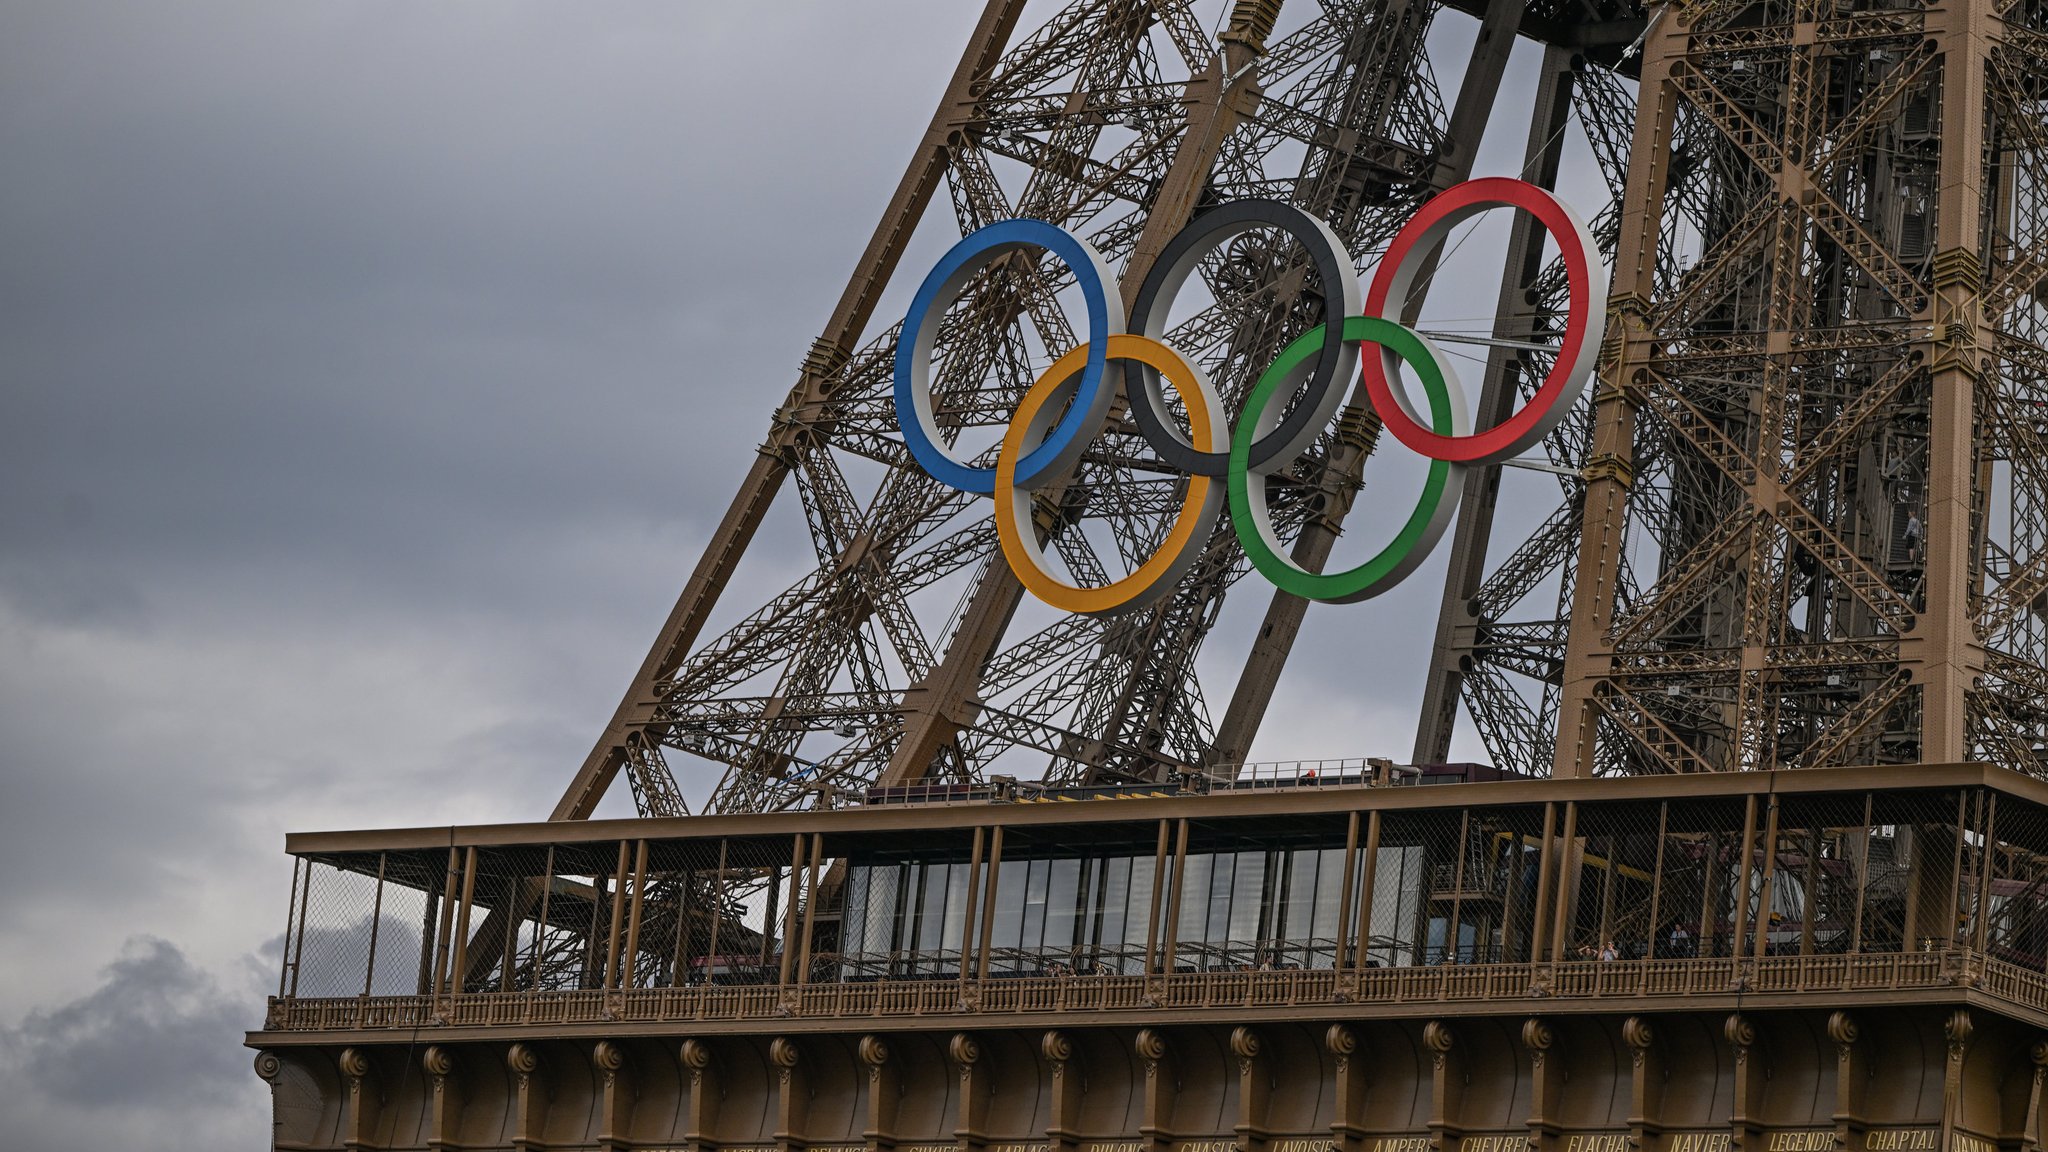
<point>1467,568</point>
<point>764,479</point>
<point>1285,613</point>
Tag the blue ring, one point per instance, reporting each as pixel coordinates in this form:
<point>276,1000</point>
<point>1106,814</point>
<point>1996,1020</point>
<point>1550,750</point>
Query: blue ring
<point>1092,396</point>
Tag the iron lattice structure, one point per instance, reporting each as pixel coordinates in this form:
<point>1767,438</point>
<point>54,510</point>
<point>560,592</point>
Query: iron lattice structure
<point>1803,521</point>
<point>1821,407</point>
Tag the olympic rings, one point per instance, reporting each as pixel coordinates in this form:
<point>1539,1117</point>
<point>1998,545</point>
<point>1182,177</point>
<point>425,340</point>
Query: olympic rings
<point>1046,437</point>
<point>1584,323</point>
<point>1171,270</point>
<point>1169,562</point>
<point>1426,524</point>
<point>914,353</point>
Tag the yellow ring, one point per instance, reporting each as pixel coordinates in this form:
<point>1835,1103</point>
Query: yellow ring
<point>1162,570</point>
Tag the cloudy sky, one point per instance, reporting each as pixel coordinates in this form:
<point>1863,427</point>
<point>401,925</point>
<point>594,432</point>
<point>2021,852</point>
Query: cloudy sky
<point>371,374</point>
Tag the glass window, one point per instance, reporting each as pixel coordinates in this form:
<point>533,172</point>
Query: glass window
<point>1062,905</point>
<point>959,876</point>
<point>856,910</point>
<point>885,899</point>
<point>1330,893</point>
<point>1088,914</point>
<point>1034,907</point>
<point>1194,899</point>
<point>1396,905</point>
<point>1139,915</point>
<point>1248,902</point>
<point>1008,929</point>
<point>931,908</point>
<point>1222,867</point>
<point>1298,919</point>
<point>1115,904</point>
<point>1137,919</point>
<point>1233,909</point>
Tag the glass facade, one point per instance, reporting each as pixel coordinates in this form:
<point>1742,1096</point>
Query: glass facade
<point>907,920</point>
<point>1250,908</point>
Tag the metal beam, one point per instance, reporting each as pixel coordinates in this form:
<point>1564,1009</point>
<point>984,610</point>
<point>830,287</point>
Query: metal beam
<point>1284,613</point>
<point>1548,118</point>
<point>764,477</point>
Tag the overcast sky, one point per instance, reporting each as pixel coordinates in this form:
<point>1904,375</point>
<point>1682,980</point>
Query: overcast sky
<point>371,374</point>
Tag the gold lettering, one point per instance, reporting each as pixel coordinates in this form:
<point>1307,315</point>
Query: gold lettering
<point>1822,1141</point>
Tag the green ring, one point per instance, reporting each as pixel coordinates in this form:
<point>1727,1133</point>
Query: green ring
<point>1363,581</point>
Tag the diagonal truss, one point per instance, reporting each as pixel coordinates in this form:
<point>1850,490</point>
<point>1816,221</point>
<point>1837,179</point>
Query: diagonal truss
<point>895,657</point>
<point>1821,399</point>
<point>1803,520</point>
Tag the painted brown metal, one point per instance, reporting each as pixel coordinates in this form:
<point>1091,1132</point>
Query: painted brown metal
<point>1216,100</point>
<point>1847,596</point>
<point>1295,802</point>
<point>1684,1080</point>
<point>1267,658</point>
<point>1455,630</point>
<point>1486,1056</point>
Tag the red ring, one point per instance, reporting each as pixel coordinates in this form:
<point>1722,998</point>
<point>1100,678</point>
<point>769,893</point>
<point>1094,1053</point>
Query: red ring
<point>1503,439</point>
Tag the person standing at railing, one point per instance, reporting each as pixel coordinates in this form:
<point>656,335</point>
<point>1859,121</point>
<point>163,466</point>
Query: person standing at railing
<point>1681,942</point>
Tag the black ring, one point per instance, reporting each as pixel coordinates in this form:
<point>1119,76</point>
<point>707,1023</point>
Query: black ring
<point>1171,270</point>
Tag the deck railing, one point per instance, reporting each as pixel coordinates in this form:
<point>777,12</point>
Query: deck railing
<point>1675,980</point>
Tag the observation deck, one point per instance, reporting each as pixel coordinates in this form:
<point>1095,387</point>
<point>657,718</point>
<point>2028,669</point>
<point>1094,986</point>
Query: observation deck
<point>758,981</point>
<point>1297,899</point>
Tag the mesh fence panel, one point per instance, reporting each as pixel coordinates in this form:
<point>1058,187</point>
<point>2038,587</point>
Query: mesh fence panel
<point>676,902</point>
<point>2015,914</point>
<point>1611,882</point>
<point>486,942</point>
<point>1451,886</point>
<point>403,934</point>
<point>331,941</point>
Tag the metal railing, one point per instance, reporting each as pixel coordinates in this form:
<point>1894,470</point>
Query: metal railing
<point>1676,980</point>
<point>1353,772</point>
<point>1348,772</point>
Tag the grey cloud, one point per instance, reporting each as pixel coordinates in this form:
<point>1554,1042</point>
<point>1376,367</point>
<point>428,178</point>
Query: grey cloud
<point>157,1031</point>
<point>369,375</point>
<point>322,274</point>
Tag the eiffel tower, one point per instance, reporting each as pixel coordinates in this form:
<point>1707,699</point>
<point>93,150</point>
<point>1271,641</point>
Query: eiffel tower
<point>1764,692</point>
